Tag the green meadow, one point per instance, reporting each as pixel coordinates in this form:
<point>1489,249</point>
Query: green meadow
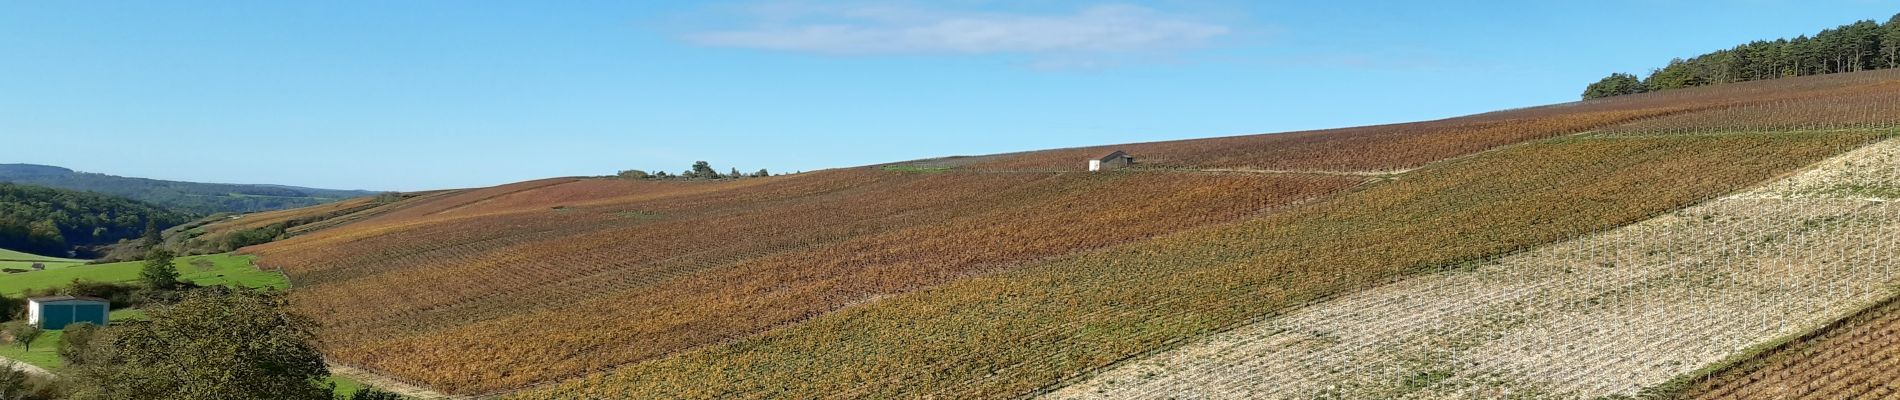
<point>206,270</point>
<point>18,260</point>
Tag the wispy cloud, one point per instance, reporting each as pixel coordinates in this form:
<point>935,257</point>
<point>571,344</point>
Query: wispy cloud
<point>886,29</point>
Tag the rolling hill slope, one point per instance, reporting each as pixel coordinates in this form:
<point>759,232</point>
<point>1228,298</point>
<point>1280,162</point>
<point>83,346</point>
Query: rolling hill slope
<point>744,258</point>
<point>1652,301</point>
<point>1014,274</point>
<point>1018,333</point>
<point>17,260</point>
<point>200,198</point>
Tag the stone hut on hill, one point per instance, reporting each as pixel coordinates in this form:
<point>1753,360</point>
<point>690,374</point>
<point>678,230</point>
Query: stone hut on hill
<point>1117,159</point>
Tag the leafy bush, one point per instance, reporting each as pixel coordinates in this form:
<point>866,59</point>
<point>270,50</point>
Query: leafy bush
<point>16,384</point>
<point>191,350</point>
<point>241,239</point>
<point>75,340</point>
<point>12,308</point>
<point>118,294</point>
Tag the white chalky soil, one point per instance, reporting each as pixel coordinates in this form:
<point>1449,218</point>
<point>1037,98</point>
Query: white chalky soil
<point>1603,315</point>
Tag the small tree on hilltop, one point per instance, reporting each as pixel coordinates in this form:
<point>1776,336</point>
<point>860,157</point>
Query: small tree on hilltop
<point>158,272</point>
<point>633,174</point>
<point>703,170</point>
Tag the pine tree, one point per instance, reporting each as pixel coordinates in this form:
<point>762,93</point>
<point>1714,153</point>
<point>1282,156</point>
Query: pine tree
<point>151,235</point>
<point>158,271</point>
<point>1890,42</point>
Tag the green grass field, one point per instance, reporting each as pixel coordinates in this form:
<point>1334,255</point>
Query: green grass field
<point>12,285</point>
<point>18,260</point>
<point>126,314</point>
<point>206,270</point>
<point>344,385</point>
<point>227,270</point>
<point>28,265</point>
<point>214,269</point>
<point>45,352</point>
<point>10,255</point>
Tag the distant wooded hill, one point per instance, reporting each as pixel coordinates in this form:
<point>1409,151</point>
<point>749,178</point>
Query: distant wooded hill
<point>1860,46</point>
<point>68,223</point>
<point>193,197</point>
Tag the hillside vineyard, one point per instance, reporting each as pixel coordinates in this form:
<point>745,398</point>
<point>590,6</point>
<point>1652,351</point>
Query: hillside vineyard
<point>1653,301</point>
<point>1015,275</point>
<point>688,269</point>
<point>1851,360</point>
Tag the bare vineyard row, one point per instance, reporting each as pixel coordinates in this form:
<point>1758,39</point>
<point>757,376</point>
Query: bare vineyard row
<point>1842,101</point>
<point>1864,108</point>
<point>681,277</point>
<point>817,283</point>
<point>1015,333</point>
<point>1606,315</point>
<point>1858,358</point>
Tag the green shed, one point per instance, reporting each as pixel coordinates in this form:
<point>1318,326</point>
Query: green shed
<point>55,312</point>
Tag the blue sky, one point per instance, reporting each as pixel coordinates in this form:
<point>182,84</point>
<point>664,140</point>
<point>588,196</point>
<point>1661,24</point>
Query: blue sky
<point>412,95</point>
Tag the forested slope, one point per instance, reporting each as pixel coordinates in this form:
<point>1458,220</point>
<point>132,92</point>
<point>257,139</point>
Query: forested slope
<point>1861,46</point>
<point>63,222</point>
<point>194,197</point>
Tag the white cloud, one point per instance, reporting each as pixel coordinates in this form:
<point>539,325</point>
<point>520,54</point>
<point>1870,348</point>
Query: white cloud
<point>909,30</point>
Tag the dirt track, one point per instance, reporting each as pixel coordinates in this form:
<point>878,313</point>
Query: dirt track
<point>388,384</point>
<point>29,368</point>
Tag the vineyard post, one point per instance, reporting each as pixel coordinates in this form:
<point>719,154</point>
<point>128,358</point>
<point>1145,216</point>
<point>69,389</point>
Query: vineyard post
<point>1787,270</point>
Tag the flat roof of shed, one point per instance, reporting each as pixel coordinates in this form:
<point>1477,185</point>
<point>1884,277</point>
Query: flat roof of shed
<point>48,299</point>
